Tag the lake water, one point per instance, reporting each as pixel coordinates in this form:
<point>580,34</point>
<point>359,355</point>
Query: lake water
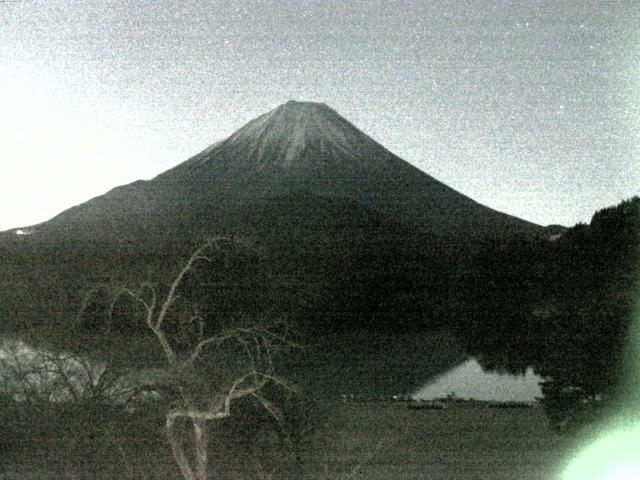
<point>58,376</point>
<point>469,381</point>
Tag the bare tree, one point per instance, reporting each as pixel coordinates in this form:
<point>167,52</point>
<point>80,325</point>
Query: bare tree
<point>206,380</point>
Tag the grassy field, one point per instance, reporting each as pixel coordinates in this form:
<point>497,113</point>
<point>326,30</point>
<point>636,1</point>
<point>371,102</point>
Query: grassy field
<point>358,440</point>
<point>385,440</point>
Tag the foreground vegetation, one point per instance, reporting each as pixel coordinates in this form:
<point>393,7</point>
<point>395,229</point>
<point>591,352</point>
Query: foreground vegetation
<point>372,440</point>
<point>563,307</point>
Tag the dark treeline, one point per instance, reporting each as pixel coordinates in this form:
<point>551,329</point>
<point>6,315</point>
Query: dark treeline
<point>563,306</point>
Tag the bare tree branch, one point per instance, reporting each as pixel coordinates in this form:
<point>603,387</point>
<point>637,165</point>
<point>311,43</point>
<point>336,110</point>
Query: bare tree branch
<point>198,255</point>
<point>204,403</point>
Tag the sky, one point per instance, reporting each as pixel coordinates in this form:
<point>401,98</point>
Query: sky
<point>531,108</point>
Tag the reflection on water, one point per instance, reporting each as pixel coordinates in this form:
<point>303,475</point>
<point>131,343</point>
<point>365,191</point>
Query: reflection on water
<point>38,375</point>
<point>469,380</point>
<point>12,350</point>
<point>33,374</point>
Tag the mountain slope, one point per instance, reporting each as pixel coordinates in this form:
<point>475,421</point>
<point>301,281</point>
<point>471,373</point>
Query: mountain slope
<point>295,148</point>
<point>334,213</point>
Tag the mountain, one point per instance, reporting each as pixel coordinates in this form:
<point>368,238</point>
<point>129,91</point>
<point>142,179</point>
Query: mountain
<point>298,148</point>
<point>351,238</point>
<point>335,214</point>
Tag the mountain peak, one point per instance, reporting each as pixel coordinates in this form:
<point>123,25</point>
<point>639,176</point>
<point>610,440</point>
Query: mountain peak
<point>304,109</point>
<point>307,106</point>
<point>289,133</point>
<point>295,112</point>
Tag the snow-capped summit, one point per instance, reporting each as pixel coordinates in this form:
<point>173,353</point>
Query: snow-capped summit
<point>293,134</point>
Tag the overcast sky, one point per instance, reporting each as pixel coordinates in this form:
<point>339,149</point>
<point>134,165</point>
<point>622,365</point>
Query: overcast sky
<point>531,107</point>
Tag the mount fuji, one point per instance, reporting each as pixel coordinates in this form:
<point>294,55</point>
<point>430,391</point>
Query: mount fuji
<point>295,151</point>
<point>355,246</point>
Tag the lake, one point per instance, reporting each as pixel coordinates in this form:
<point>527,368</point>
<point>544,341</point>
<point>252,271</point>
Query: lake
<point>469,381</point>
<point>466,380</point>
